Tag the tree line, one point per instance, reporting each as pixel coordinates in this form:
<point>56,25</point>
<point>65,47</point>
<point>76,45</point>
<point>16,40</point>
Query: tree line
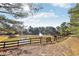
<point>44,30</point>
<point>71,28</point>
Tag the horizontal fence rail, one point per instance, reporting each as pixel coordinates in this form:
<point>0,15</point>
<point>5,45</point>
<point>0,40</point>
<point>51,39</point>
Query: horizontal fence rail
<point>7,44</point>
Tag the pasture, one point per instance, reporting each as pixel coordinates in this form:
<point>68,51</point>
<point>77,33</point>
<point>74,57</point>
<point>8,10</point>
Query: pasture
<point>7,38</point>
<point>7,41</point>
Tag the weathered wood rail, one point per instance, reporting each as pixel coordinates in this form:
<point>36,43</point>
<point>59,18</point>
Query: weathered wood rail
<point>7,44</point>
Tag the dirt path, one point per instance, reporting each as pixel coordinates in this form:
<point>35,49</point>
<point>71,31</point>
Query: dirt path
<point>70,46</point>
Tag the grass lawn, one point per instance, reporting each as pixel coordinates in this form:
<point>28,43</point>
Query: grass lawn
<point>6,37</point>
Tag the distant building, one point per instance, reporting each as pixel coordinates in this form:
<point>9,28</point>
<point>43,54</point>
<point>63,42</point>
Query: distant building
<point>40,34</point>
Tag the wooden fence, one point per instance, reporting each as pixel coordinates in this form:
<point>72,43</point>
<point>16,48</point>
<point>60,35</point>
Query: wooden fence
<point>7,44</point>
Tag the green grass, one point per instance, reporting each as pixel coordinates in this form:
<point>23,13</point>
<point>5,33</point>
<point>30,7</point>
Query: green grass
<point>6,37</point>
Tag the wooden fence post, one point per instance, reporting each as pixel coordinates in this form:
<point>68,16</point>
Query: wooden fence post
<point>18,43</point>
<point>30,41</point>
<point>4,45</point>
<point>40,40</point>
